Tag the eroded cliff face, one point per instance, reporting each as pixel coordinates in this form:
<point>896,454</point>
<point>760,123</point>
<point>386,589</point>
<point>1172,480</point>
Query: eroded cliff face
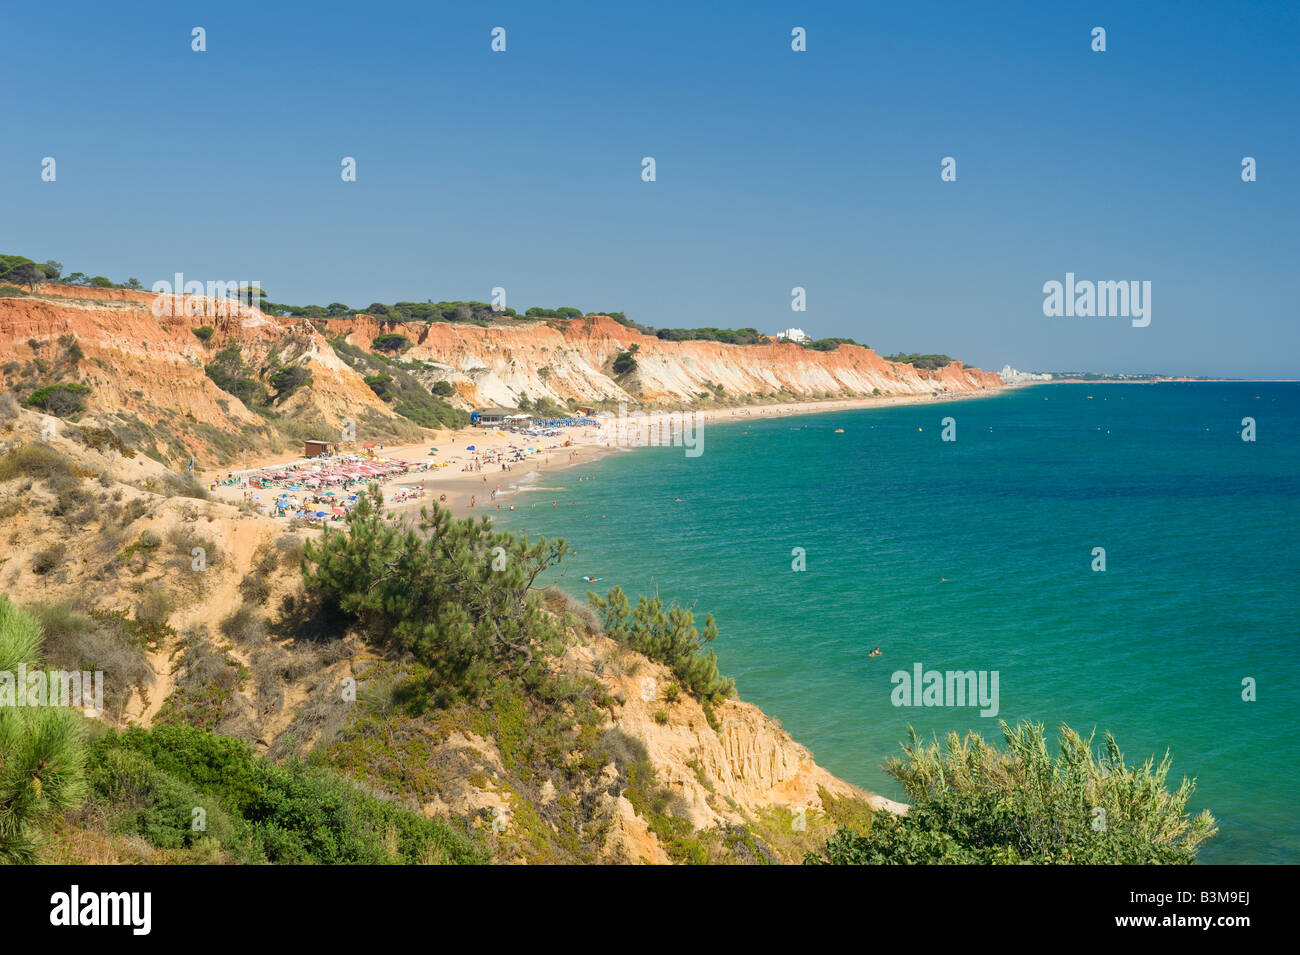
<point>149,366</point>
<point>719,779</point>
<point>721,776</point>
<point>500,364</point>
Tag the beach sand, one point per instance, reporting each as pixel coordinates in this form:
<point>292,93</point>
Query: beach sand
<point>470,492</point>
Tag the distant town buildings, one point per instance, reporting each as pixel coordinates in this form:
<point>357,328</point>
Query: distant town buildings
<point>792,335</point>
<point>1010,376</point>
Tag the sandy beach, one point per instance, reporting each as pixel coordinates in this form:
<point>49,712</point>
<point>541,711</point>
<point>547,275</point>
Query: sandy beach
<point>459,478</point>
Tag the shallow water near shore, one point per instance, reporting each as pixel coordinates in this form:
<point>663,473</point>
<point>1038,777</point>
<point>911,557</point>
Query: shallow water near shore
<point>977,555</point>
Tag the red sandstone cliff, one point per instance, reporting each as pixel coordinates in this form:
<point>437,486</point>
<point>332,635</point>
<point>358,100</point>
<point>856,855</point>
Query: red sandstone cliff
<point>150,367</point>
<point>498,364</point>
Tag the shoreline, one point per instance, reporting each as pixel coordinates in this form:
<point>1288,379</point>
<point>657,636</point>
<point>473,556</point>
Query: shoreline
<point>525,476</point>
<point>470,492</point>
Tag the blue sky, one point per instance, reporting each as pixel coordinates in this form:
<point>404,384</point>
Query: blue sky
<point>775,169</point>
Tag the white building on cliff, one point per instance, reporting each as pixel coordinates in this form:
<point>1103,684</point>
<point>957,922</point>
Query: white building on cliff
<point>792,335</point>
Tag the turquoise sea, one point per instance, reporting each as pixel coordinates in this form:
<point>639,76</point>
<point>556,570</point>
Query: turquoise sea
<point>1199,592</point>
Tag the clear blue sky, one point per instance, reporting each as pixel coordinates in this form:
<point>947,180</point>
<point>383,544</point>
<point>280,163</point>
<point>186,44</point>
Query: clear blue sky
<point>775,168</point>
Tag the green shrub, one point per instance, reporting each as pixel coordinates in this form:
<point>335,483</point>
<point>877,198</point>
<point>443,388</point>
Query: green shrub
<point>454,593</point>
<point>41,749</point>
<point>380,384</point>
<point>625,361</point>
<point>924,362</point>
<point>142,800</point>
<point>390,379</point>
<point>289,379</point>
<point>973,803</point>
<point>61,399</point>
<point>391,342</point>
<point>669,636</point>
<point>149,781</point>
<point>229,373</point>
<point>743,336</point>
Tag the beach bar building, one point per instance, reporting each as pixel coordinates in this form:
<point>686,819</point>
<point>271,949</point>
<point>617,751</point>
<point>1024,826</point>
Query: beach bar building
<point>316,449</point>
<point>489,417</point>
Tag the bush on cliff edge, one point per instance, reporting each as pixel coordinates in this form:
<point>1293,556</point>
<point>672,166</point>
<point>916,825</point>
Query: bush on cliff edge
<point>975,804</point>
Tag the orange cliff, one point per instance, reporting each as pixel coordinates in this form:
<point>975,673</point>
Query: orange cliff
<point>574,360</point>
<point>148,367</point>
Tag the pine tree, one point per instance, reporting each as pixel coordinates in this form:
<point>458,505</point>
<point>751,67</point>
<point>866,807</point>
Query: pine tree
<point>669,636</point>
<point>454,593</point>
<point>42,753</point>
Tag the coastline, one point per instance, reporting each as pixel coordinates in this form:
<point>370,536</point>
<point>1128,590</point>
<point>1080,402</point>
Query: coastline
<point>469,492</point>
<point>460,486</point>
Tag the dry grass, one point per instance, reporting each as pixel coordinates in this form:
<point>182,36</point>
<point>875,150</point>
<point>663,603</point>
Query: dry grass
<point>76,641</point>
<point>244,627</point>
<point>49,558</point>
<point>39,461</point>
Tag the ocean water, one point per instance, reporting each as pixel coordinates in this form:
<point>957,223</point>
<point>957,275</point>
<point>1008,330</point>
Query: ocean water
<point>977,554</point>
